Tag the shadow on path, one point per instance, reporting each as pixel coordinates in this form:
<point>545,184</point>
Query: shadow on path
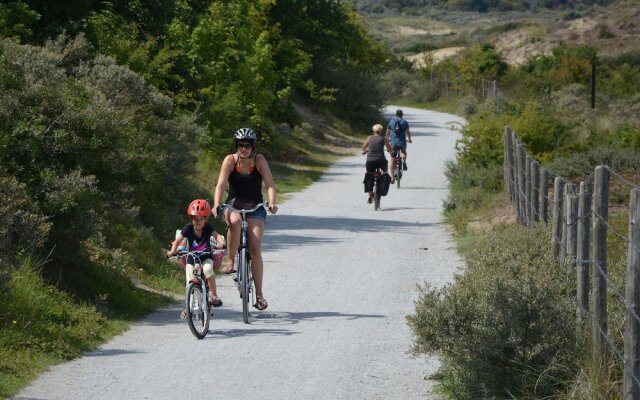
<point>276,238</point>
<point>282,318</point>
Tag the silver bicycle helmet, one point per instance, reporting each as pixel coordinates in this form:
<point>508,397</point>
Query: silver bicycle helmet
<point>245,134</point>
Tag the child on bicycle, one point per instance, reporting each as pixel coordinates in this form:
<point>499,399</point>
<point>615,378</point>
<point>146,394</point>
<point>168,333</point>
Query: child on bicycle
<point>198,234</point>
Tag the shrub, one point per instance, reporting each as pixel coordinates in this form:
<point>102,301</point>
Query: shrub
<point>481,141</point>
<point>582,164</point>
<point>504,327</point>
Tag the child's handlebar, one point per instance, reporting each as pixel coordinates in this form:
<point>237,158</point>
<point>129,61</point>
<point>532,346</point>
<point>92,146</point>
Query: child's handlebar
<point>199,254</point>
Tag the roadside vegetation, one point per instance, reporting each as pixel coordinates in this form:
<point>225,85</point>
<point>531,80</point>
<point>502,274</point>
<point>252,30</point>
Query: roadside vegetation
<point>505,327</point>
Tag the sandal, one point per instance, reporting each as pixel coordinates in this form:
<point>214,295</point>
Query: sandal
<point>215,301</point>
<point>228,270</point>
<point>261,303</point>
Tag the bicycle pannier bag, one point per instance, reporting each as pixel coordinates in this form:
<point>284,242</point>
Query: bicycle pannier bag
<point>368,182</point>
<point>385,182</point>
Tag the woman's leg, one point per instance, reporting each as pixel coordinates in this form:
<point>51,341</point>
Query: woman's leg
<point>233,240</point>
<point>370,170</point>
<point>255,231</point>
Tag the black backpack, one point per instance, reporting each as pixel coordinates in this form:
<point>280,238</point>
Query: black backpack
<point>397,128</point>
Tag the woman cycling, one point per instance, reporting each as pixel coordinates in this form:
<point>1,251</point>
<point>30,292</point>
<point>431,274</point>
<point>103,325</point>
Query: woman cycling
<point>374,146</point>
<point>244,172</point>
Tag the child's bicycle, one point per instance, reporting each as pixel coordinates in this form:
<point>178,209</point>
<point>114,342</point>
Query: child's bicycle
<point>197,296</point>
<point>244,278</point>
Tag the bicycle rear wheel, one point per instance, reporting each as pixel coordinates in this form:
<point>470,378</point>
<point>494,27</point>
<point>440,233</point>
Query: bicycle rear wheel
<point>197,310</point>
<point>376,196</point>
<point>244,284</point>
<point>398,174</point>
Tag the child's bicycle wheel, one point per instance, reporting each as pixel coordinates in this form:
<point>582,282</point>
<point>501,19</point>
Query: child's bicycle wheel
<point>198,314</point>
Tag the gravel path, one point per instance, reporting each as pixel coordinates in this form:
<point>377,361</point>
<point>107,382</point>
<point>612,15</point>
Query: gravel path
<point>340,279</point>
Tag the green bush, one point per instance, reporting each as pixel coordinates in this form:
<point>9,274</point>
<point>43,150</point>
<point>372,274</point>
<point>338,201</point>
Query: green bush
<point>504,328</point>
<point>482,137</point>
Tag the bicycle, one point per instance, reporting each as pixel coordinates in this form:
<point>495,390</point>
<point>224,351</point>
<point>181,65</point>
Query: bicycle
<point>397,161</point>
<point>377,192</point>
<point>244,279</point>
<point>196,299</point>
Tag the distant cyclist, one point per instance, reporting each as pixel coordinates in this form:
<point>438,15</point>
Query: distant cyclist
<point>244,171</point>
<point>374,146</point>
<point>399,134</point>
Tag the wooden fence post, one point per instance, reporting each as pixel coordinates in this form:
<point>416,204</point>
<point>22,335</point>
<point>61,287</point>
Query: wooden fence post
<point>544,195</point>
<point>582,252</point>
<point>508,162</point>
<point>535,192</point>
<point>631,390</point>
<point>527,190</point>
<point>572,227</point>
<point>598,283</point>
<point>516,174</point>
<point>565,220</point>
<point>556,227</point>
<point>521,184</point>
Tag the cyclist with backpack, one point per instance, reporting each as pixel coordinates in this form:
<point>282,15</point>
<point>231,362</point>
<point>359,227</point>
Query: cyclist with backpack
<point>398,134</point>
<point>373,147</point>
<point>244,172</point>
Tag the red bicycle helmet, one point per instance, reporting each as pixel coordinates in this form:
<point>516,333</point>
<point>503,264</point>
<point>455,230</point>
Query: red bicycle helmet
<point>199,207</point>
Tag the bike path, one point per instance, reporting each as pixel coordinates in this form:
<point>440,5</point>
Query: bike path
<point>340,279</point>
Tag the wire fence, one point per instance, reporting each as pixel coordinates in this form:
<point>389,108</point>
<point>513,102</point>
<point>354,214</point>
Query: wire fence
<point>443,85</point>
<point>579,219</point>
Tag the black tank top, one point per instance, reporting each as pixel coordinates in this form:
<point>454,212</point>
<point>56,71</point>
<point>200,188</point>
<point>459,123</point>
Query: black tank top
<point>247,186</point>
<point>376,148</point>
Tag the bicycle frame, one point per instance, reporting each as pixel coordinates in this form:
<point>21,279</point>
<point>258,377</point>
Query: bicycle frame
<point>244,279</point>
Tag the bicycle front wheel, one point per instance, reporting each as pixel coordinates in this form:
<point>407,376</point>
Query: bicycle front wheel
<point>244,284</point>
<point>197,310</point>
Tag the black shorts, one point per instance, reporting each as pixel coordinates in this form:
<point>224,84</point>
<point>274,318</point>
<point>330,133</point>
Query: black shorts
<point>373,165</point>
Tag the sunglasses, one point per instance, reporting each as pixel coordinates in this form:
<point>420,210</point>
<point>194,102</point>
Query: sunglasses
<point>245,145</point>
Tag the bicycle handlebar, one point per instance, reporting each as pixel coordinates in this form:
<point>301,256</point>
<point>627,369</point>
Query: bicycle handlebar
<point>199,254</point>
<point>264,204</point>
